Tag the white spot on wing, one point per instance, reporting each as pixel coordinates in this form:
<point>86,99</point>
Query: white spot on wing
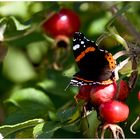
<point>75,81</point>
<point>75,47</point>
<point>82,42</point>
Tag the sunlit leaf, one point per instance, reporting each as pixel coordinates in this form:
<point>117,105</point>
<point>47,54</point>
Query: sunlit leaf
<point>46,130</point>
<point>17,67</point>
<point>27,104</point>
<point>7,130</point>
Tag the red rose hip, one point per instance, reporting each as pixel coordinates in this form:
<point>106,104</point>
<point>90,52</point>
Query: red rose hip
<point>114,111</point>
<point>84,92</point>
<point>123,90</point>
<point>65,22</point>
<point>139,96</point>
<point>103,93</point>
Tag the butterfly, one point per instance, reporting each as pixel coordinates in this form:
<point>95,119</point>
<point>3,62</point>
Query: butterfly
<point>96,66</point>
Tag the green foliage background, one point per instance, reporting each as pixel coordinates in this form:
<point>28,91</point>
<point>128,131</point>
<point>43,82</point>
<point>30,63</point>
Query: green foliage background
<point>32,90</point>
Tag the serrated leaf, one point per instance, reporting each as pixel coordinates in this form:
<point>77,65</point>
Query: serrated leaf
<point>46,130</point>
<point>29,103</point>
<point>7,130</point>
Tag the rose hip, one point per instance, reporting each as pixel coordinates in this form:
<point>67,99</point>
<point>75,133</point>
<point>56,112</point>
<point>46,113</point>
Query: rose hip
<point>114,111</point>
<point>65,22</point>
<point>103,93</point>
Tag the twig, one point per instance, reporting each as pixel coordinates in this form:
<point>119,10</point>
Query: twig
<point>20,36</point>
<point>131,29</point>
<point>30,30</point>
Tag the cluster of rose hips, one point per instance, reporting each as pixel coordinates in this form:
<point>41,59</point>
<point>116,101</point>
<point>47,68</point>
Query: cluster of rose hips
<point>108,100</point>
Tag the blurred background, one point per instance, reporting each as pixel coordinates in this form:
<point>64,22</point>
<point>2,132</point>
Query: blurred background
<point>36,68</point>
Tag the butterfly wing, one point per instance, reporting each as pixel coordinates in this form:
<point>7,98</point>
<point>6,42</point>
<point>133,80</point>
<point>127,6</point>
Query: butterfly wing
<point>82,46</point>
<point>93,62</point>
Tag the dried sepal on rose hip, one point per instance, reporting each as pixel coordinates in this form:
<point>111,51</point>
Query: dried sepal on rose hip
<point>114,111</point>
<point>65,22</point>
<point>103,93</point>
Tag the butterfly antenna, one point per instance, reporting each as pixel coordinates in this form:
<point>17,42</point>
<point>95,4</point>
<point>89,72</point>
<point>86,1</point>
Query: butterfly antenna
<point>67,86</point>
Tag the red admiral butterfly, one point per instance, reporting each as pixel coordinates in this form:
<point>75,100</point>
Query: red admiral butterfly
<point>96,65</point>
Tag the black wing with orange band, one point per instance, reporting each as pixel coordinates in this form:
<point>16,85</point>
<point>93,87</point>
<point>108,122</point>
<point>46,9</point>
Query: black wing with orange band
<point>95,65</point>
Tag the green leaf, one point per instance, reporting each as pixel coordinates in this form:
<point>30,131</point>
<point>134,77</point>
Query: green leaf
<point>73,127</point>
<point>46,130</point>
<point>69,115</point>
<point>97,27</point>
<point>126,70</point>
<point>7,130</point>
<point>19,26</point>
<point>13,26</point>
<point>3,51</point>
<point>36,51</point>
<point>17,67</point>
<point>27,104</point>
<point>16,8</point>
<point>24,134</point>
<point>15,29</point>
<point>57,80</point>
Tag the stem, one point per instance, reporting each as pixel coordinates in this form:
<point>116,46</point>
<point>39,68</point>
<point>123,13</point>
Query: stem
<point>102,37</point>
<point>2,29</point>
<point>131,127</point>
<point>50,13</point>
<point>20,36</point>
<point>116,35</point>
<point>119,54</point>
<point>134,75</point>
<point>121,19</point>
